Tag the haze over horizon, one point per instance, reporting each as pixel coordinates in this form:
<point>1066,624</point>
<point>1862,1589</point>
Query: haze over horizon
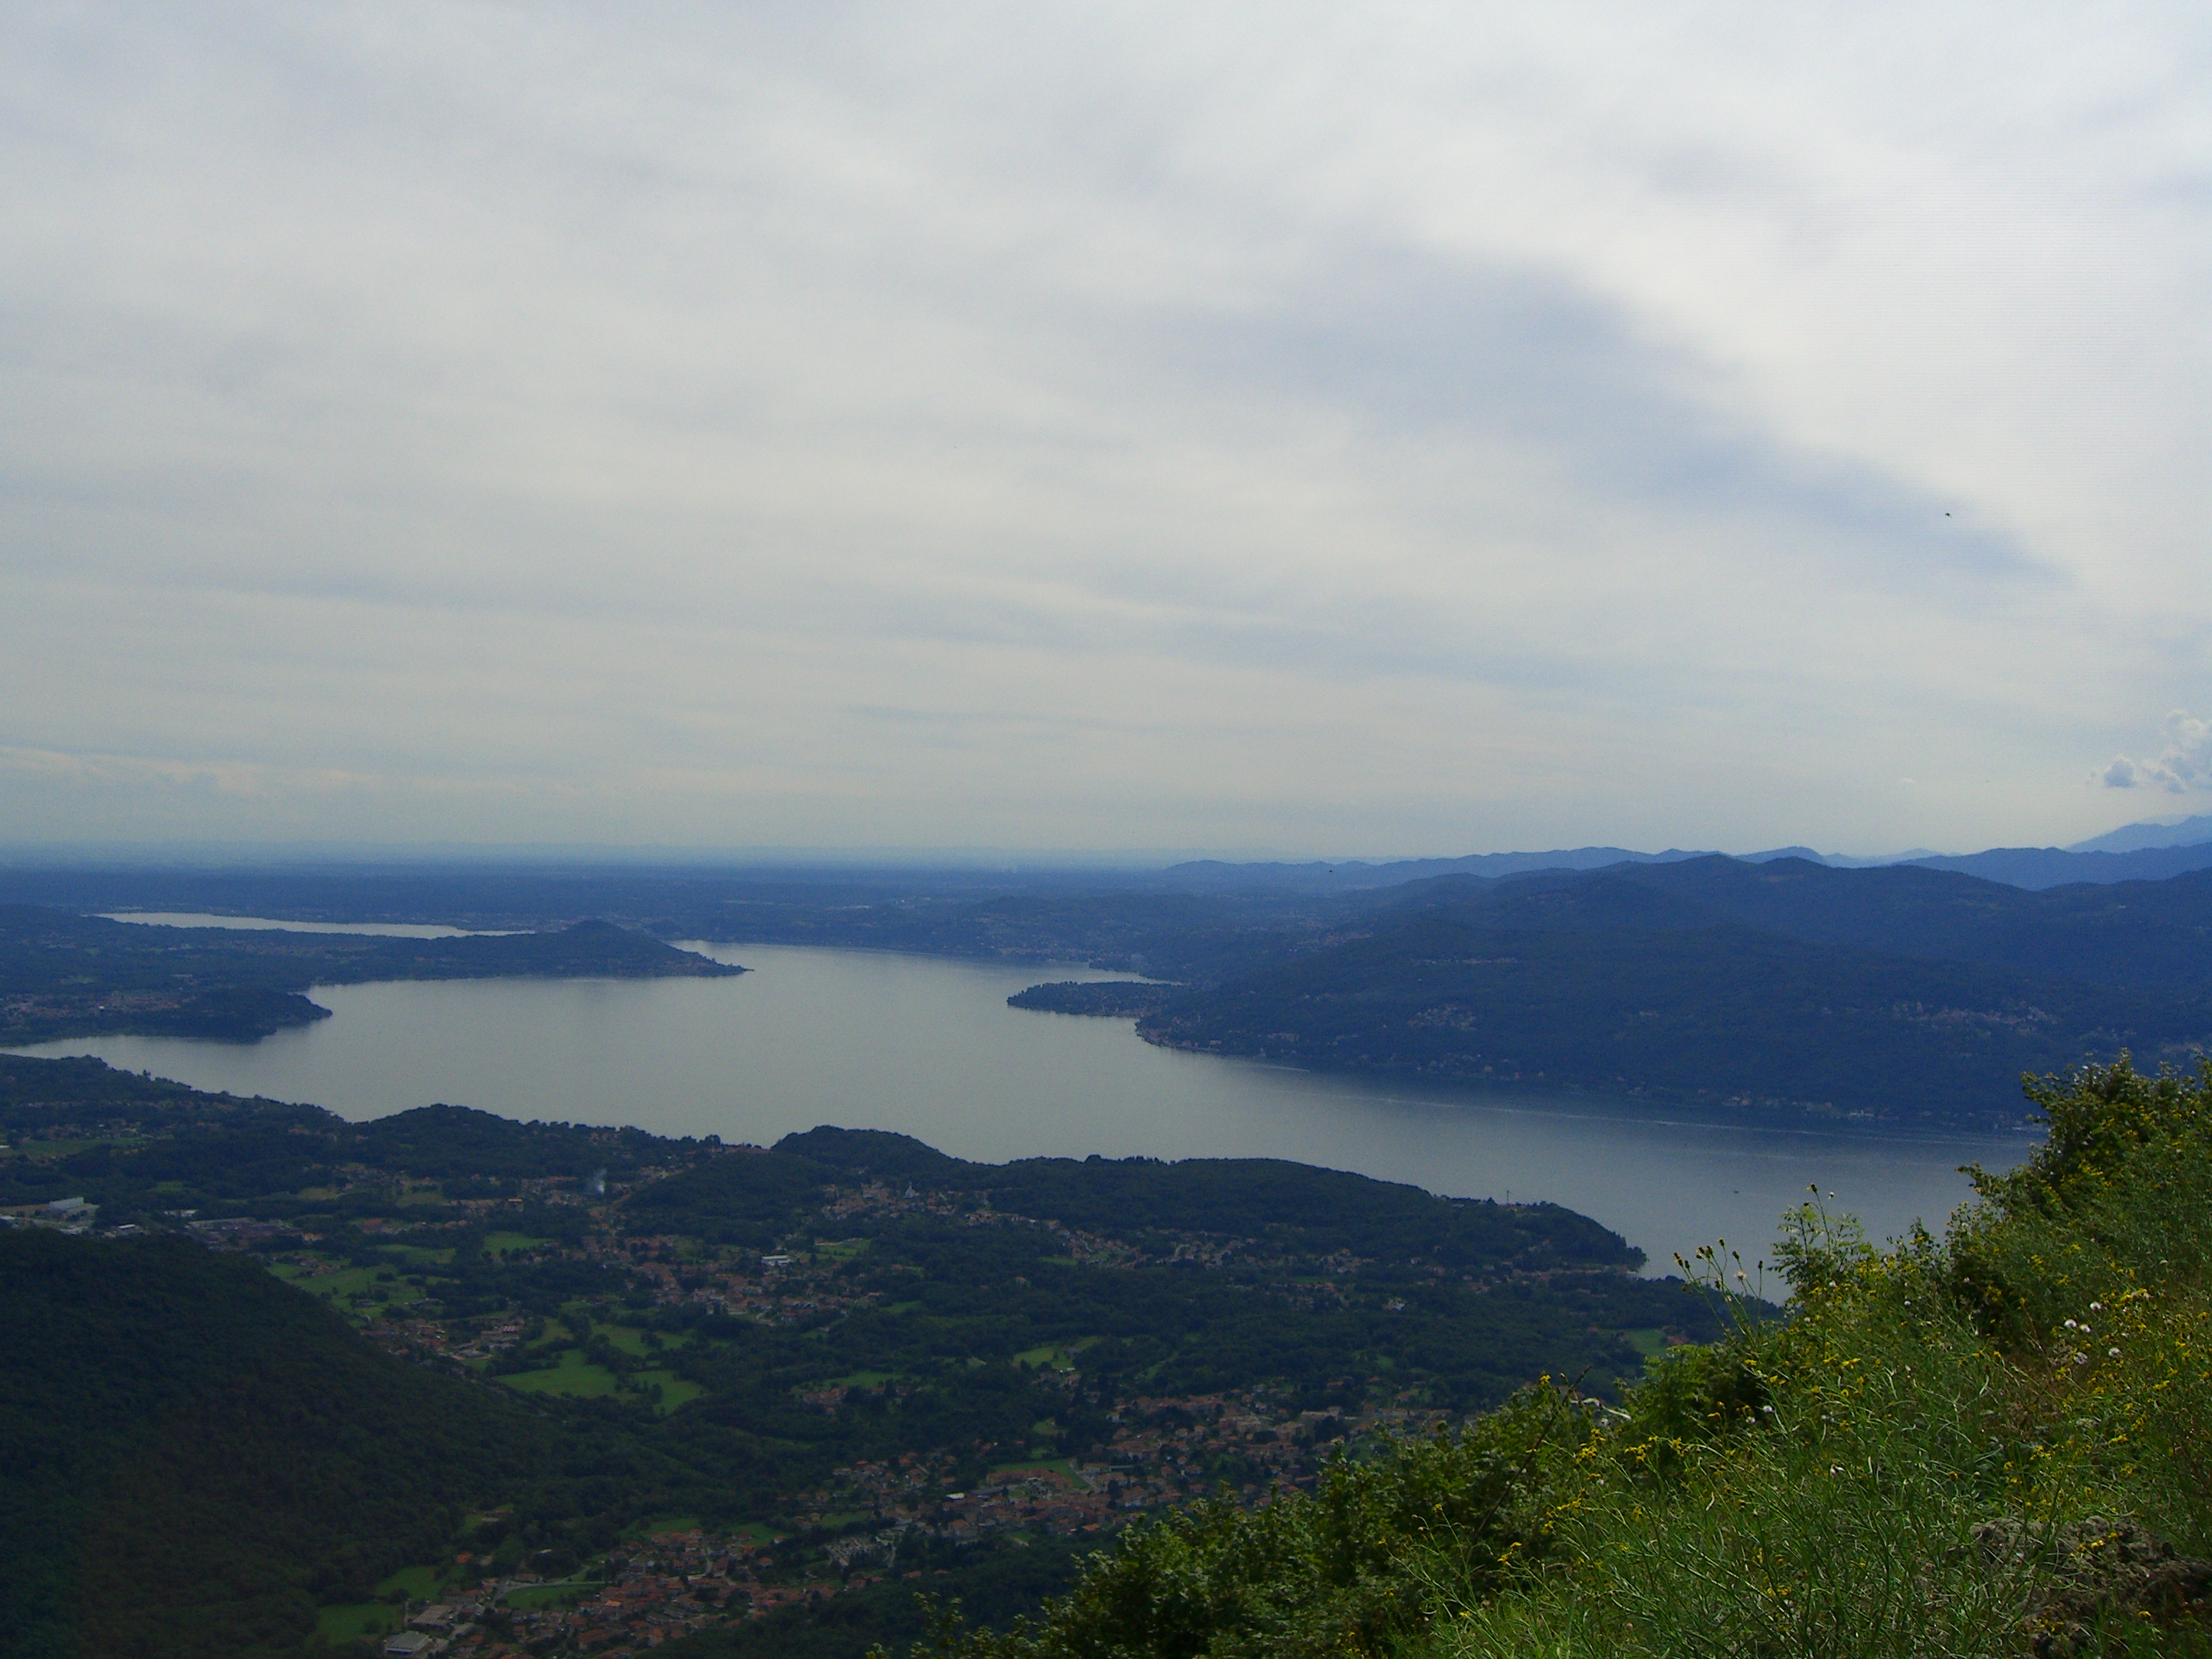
<point>2145,833</point>
<point>1119,428</point>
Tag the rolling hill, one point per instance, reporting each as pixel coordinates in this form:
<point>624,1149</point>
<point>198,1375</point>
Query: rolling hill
<point>1894,994</point>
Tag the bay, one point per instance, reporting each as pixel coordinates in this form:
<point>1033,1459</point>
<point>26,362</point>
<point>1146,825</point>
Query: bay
<point>926,1046</point>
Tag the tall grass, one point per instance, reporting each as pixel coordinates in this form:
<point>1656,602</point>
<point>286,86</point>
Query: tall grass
<point>1816,1488</point>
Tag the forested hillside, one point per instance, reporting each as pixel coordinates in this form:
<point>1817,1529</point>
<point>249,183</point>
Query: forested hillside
<point>2142,934</point>
<point>1611,997</point>
<point>193,1455</point>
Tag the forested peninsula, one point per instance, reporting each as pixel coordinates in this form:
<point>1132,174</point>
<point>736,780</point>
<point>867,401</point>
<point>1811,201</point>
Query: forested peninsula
<point>1783,989</point>
<point>65,975</point>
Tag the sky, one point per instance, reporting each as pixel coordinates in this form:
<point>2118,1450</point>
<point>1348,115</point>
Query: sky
<point>1318,430</point>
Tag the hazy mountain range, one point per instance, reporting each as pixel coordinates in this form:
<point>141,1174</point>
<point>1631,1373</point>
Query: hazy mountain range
<point>2135,852</point>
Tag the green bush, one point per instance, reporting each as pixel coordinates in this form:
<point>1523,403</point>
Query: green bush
<point>1946,1428</point>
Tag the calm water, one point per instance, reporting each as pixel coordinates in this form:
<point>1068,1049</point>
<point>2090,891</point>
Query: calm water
<point>264,924</point>
<point>928,1046</point>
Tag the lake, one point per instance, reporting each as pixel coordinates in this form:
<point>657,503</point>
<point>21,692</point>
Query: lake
<point>927,1045</point>
<point>265,924</point>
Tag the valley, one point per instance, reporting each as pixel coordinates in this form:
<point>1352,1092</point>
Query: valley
<point>849,1363</point>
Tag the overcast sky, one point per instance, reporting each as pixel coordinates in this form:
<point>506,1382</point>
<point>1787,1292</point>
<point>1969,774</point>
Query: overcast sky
<point>1328,429</point>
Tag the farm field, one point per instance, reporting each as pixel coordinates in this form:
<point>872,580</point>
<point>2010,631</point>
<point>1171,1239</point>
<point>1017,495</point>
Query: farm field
<point>356,1621</point>
<point>574,1376</point>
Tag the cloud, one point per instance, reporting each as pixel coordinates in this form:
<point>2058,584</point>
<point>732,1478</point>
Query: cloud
<point>1122,424</point>
<point>2185,764</point>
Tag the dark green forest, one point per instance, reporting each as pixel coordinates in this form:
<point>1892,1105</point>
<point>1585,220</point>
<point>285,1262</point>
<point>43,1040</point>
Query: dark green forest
<point>193,1455</point>
<point>1719,1014</point>
<point>1895,995</point>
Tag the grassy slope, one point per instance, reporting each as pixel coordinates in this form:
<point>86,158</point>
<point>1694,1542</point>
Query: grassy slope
<point>2043,1374</point>
<point>1817,1489</point>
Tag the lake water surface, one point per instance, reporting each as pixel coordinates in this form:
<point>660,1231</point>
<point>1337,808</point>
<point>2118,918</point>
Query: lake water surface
<point>927,1046</point>
<point>267,924</point>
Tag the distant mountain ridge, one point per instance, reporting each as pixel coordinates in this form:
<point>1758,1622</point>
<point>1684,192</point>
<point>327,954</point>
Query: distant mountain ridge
<point>2038,867</point>
<point>2139,837</point>
<point>2136,852</point>
<point>1348,875</point>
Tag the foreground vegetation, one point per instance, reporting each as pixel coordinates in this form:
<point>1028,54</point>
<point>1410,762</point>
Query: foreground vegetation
<point>1995,1442</point>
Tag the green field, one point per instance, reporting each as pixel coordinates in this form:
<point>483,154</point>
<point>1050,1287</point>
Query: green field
<point>844,1249</point>
<point>631,1340</point>
<point>578,1376</point>
<point>574,1375</point>
<point>414,1255</point>
<point>530,1597</point>
<point>1061,1355</point>
<point>1650,1341</point>
<point>356,1622</point>
<point>860,1380</point>
<point>674,1391</point>
<point>507,1244</point>
<point>415,1583</point>
<point>347,1283</point>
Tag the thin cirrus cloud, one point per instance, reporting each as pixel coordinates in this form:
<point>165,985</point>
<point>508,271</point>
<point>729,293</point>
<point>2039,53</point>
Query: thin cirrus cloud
<point>1121,426</point>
